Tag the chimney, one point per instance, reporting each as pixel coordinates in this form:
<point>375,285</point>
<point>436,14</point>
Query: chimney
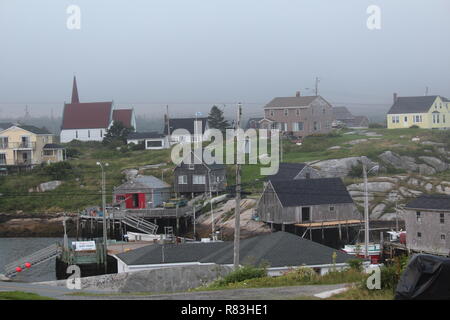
<point>395,97</point>
<point>297,94</point>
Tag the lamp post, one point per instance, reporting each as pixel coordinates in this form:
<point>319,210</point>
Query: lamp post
<point>366,209</point>
<point>105,236</point>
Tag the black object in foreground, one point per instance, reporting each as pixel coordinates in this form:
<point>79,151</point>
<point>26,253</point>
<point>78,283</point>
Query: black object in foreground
<point>426,277</point>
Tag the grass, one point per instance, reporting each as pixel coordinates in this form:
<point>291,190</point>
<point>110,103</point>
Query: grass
<point>19,295</point>
<point>292,278</point>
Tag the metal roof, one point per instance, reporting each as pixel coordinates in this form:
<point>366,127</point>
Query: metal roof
<point>419,104</point>
<point>430,202</point>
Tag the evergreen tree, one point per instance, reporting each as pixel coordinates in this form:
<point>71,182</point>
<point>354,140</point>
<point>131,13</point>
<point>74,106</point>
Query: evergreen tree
<point>216,119</point>
<point>117,132</point>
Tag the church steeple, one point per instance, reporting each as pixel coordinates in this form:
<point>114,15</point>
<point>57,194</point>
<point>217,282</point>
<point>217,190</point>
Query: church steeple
<point>75,98</point>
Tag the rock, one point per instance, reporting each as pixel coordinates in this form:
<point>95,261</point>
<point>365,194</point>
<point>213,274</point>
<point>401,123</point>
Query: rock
<point>372,186</point>
<point>340,167</point>
<point>378,211</point>
<point>436,163</point>
<point>334,148</point>
<point>130,174</point>
<point>46,186</point>
<point>426,169</point>
<point>431,143</point>
<point>428,187</point>
<point>443,189</point>
<point>414,182</point>
<point>409,192</point>
<point>373,134</point>
<point>357,141</point>
<point>409,163</point>
<point>358,196</point>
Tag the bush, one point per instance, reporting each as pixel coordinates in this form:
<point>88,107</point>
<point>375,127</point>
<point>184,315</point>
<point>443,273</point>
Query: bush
<point>243,273</point>
<point>72,153</point>
<point>58,171</point>
<point>303,274</point>
<point>355,264</point>
<point>376,126</point>
<point>414,126</point>
<point>356,171</point>
<point>136,147</point>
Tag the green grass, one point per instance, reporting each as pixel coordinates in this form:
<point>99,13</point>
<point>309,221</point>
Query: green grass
<point>293,278</point>
<point>19,295</point>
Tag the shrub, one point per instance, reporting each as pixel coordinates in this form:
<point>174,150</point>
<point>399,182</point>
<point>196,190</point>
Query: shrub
<point>414,126</point>
<point>136,147</point>
<point>59,170</point>
<point>376,126</point>
<point>243,273</point>
<point>356,171</point>
<point>72,153</point>
<point>355,264</point>
<point>303,274</point>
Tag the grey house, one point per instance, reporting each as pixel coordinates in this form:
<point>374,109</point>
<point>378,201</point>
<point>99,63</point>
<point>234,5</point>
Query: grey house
<point>142,192</point>
<point>427,221</point>
<point>300,116</point>
<point>316,206</point>
<point>195,178</point>
<point>343,117</point>
<point>294,171</point>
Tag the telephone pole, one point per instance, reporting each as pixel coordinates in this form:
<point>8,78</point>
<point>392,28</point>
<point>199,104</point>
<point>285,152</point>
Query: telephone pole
<point>317,86</point>
<point>237,211</point>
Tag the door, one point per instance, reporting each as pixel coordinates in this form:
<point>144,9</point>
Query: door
<point>306,214</point>
<point>141,201</point>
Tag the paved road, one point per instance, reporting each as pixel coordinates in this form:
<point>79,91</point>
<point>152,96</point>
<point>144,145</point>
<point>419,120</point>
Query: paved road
<point>280,293</point>
<point>42,290</point>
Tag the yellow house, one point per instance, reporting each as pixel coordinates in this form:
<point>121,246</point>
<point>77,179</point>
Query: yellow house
<point>26,146</point>
<point>427,112</point>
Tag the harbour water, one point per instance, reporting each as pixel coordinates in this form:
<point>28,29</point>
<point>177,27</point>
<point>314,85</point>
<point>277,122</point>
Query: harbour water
<point>12,249</point>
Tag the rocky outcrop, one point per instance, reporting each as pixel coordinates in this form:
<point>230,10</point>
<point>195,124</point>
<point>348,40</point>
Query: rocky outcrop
<point>38,225</point>
<point>372,187</point>
<point>430,167</point>
<point>46,186</point>
<point>340,167</point>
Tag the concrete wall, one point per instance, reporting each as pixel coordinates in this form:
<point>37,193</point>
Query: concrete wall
<point>169,279</point>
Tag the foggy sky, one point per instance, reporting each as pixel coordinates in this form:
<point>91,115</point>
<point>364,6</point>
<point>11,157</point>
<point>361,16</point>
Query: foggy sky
<point>192,54</point>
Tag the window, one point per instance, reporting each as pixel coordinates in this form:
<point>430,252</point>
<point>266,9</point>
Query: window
<point>417,118</point>
<point>297,126</point>
<point>89,133</point>
<point>419,234</point>
<point>182,179</point>
<point>331,208</point>
<point>406,118</point>
<point>198,179</point>
<point>442,236</point>
<point>3,142</point>
<point>191,166</point>
<point>154,143</point>
<point>418,217</point>
<point>2,158</point>
<point>48,153</point>
<point>286,112</point>
<point>297,112</point>
<point>271,113</point>
<point>76,134</point>
<point>442,218</point>
<point>316,126</point>
<point>395,119</point>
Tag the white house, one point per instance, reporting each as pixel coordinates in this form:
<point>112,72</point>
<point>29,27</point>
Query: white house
<point>151,140</point>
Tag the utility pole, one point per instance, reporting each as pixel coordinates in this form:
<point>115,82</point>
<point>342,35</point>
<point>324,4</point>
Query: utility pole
<point>317,86</point>
<point>366,214</point>
<point>237,211</point>
<point>105,234</point>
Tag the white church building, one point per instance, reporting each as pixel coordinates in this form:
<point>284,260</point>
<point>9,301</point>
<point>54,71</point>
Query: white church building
<point>90,121</point>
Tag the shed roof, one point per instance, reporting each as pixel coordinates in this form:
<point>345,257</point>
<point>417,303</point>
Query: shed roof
<point>306,192</point>
<point>287,171</point>
<point>185,123</point>
<point>143,182</point>
<point>430,202</point>
<point>279,249</point>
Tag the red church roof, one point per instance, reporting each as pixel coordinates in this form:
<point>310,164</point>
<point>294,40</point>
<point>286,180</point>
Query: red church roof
<point>124,116</point>
<point>87,115</point>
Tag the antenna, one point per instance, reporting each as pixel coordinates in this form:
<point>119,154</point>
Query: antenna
<point>426,90</point>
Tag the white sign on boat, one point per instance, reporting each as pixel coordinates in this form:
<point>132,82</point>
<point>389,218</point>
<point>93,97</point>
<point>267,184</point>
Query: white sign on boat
<point>84,245</point>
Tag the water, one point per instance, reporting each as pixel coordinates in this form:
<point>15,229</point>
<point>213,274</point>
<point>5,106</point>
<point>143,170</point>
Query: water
<point>12,249</point>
